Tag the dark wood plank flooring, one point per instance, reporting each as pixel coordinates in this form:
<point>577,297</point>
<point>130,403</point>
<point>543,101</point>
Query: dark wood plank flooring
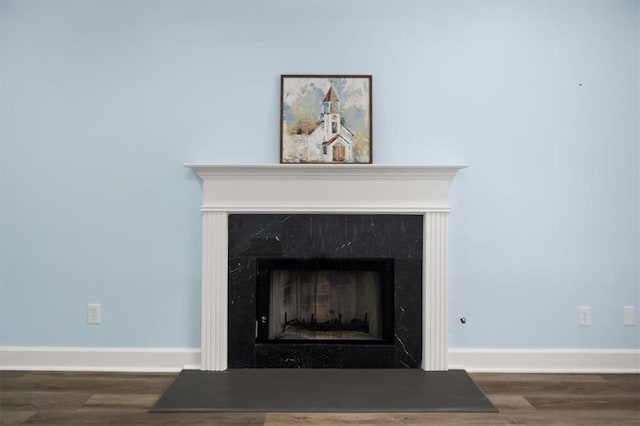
<point>65,398</point>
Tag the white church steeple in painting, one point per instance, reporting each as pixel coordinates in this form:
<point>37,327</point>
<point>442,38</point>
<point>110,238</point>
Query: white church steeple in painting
<point>331,114</point>
<point>337,139</point>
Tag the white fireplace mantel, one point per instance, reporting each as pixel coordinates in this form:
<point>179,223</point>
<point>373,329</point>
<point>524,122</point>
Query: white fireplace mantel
<point>323,188</point>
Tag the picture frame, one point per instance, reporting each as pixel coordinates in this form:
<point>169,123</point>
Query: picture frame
<point>326,119</point>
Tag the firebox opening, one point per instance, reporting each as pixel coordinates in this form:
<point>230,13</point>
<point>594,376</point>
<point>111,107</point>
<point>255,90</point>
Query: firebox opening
<point>325,300</point>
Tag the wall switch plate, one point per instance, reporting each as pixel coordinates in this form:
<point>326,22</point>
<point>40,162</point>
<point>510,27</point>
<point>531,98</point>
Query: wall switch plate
<point>93,313</point>
<point>629,316</point>
<point>585,316</point>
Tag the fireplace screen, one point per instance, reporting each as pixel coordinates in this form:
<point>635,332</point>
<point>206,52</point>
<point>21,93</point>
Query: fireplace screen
<point>324,300</point>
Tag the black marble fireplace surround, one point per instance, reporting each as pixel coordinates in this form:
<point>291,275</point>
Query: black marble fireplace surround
<point>260,238</point>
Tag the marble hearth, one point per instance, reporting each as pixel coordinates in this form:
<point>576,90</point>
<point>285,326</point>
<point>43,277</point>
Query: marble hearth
<point>421,191</point>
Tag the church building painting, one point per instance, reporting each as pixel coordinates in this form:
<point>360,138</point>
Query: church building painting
<point>326,119</point>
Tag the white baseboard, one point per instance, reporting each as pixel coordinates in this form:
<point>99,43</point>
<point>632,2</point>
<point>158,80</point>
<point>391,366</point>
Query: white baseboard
<point>98,359</point>
<point>174,359</point>
<point>546,360</point>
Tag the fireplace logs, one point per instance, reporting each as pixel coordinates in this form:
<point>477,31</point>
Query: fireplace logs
<point>329,326</point>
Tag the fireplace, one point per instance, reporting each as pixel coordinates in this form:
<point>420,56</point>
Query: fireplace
<point>324,301</point>
<point>228,192</point>
<point>325,291</point>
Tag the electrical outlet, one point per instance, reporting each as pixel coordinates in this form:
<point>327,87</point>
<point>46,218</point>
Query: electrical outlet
<point>93,313</point>
<point>629,316</point>
<point>585,316</point>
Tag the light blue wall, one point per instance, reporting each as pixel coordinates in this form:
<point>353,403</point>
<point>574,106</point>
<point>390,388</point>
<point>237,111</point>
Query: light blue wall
<point>102,102</point>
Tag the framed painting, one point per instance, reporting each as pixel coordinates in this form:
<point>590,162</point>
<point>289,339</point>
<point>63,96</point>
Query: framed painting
<point>325,119</point>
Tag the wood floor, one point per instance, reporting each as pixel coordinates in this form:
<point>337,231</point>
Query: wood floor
<point>62,398</point>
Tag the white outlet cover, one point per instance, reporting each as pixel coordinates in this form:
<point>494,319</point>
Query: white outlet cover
<point>93,313</point>
<point>585,316</point>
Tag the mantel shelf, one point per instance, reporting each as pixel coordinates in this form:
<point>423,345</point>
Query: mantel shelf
<point>329,171</point>
<point>325,187</point>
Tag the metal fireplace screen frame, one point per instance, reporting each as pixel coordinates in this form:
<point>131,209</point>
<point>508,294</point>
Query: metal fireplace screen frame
<point>365,324</point>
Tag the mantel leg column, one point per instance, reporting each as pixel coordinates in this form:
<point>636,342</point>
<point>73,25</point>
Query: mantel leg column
<point>434,292</point>
<point>214,290</point>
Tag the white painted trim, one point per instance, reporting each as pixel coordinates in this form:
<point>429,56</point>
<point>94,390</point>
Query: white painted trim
<point>434,292</point>
<point>303,188</point>
<point>327,171</point>
<point>214,323</point>
<point>593,361</point>
<point>47,358</point>
<point>43,358</point>
<point>352,210</point>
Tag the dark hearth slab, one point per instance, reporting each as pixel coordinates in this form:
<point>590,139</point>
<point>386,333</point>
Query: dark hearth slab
<point>323,390</point>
